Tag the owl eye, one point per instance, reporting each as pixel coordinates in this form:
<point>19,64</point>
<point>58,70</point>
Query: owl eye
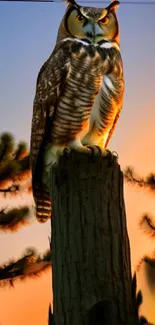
<point>79,18</point>
<point>104,20</point>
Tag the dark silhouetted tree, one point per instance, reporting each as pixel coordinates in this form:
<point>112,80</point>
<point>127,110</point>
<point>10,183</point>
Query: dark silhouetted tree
<point>147,220</point>
<point>15,181</point>
<point>91,267</point>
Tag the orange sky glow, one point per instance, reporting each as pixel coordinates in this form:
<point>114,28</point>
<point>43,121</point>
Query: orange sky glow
<point>32,297</point>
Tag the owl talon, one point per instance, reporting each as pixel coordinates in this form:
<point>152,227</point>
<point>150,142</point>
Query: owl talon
<point>112,156</point>
<point>115,154</point>
<point>106,152</point>
<point>96,150</point>
<point>66,151</point>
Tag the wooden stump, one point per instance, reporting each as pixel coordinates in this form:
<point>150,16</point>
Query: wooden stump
<point>90,245</point>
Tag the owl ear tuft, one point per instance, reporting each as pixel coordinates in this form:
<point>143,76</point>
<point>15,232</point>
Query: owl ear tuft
<point>72,3</point>
<point>113,5</point>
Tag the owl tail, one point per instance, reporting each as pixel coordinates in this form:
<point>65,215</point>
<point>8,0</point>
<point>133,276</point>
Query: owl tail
<point>43,207</point>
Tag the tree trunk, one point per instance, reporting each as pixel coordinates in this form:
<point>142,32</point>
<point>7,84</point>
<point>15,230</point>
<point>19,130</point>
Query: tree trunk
<point>90,245</point>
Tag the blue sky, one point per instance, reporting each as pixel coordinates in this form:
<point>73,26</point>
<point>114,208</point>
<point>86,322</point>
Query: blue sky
<point>27,33</point>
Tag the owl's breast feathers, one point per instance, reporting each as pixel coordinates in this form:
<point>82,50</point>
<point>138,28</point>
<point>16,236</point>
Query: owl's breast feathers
<point>67,88</point>
<point>69,81</point>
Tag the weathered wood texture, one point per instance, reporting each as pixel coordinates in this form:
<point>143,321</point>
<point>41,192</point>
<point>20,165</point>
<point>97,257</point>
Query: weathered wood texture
<point>90,245</point>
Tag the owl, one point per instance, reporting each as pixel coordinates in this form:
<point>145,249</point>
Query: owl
<point>79,93</point>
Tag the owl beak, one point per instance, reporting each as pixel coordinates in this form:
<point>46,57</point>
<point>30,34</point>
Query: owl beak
<point>92,30</point>
<point>96,29</point>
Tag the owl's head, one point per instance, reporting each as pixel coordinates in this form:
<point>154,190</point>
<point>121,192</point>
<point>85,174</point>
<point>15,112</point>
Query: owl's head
<point>89,23</point>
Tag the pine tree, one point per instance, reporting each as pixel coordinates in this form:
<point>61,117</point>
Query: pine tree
<point>147,220</point>
<point>15,180</point>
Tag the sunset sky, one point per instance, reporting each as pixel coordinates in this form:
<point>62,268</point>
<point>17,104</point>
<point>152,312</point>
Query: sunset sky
<point>27,34</point>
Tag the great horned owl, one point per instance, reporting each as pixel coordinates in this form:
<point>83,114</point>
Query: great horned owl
<point>79,92</point>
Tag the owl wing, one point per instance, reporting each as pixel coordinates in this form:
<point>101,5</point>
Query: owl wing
<point>50,81</point>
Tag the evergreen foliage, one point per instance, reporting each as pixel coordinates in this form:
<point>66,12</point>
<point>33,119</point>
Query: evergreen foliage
<point>15,180</point>
<point>146,223</point>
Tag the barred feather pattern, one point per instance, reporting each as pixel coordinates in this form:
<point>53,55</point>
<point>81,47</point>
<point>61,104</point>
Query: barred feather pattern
<point>79,96</point>
<point>43,206</point>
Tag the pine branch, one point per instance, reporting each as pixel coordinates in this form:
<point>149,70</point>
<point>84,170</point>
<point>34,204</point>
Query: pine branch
<point>150,260</point>
<point>14,161</point>
<point>147,224</point>
<point>6,146</point>
<point>132,178</point>
<point>15,189</point>
<point>21,151</point>
<point>150,179</point>
<point>13,171</point>
<point>30,265</point>
<point>11,189</point>
<point>8,150</point>
<point>50,316</point>
<point>24,169</point>
<point>13,219</point>
<point>9,170</point>
<point>149,264</point>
